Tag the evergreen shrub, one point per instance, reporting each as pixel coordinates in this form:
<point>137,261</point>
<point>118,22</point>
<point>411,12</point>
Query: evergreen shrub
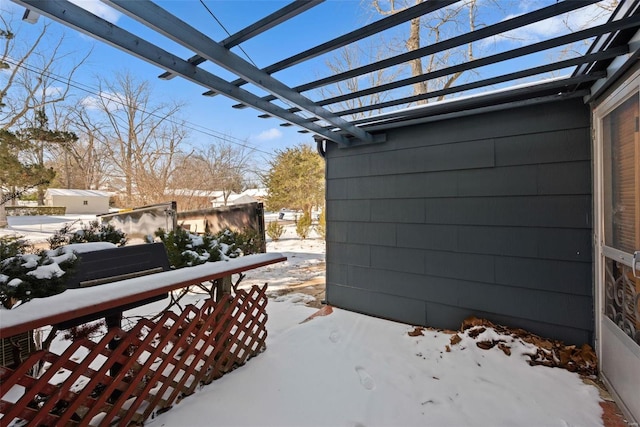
<point>303,226</point>
<point>275,230</point>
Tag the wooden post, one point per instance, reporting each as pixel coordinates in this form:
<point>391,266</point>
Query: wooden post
<point>114,321</point>
<point>223,287</point>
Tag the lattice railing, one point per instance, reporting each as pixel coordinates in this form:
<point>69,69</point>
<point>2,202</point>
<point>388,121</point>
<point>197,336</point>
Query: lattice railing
<point>152,367</point>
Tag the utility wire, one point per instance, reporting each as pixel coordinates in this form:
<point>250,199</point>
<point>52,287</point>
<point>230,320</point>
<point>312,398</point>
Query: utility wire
<point>94,91</point>
<point>226,31</point>
<point>240,47</point>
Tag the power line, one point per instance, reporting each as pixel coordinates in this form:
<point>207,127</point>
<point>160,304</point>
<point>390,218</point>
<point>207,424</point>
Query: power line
<point>226,31</point>
<point>94,91</point>
<point>239,47</point>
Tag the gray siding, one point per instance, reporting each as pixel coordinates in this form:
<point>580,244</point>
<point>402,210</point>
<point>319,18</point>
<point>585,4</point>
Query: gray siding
<point>486,215</point>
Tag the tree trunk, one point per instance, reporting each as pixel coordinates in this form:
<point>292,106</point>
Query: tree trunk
<point>413,43</point>
<point>3,213</point>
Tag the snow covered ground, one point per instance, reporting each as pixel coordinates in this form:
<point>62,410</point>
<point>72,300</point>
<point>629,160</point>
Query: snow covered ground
<point>347,369</point>
<point>37,228</point>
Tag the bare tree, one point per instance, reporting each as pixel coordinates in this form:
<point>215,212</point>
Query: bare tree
<point>35,76</point>
<point>142,138</point>
<point>433,28</point>
<point>596,14</point>
<point>220,167</point>
<point>351,57</point>
<point>84,163</point>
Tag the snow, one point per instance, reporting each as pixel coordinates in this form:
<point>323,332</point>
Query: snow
<point>89,246</point>
<point>46,272</point>
<point>348,369</point>
<point>74,192</point>
<point>38,228</point>
<point>74,299</point>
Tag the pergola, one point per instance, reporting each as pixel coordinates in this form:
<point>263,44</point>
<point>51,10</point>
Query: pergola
<point>323,117</point>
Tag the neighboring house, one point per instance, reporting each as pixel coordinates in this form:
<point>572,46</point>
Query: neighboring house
<point>246,196</point>
<point>217,198</point>
<point>242,199</point>
<point>259,194</point>
<point>190,199</point>
<point>78,201</point>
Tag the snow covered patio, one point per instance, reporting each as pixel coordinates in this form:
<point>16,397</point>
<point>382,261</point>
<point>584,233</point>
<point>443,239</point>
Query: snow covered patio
<point>348,369</point>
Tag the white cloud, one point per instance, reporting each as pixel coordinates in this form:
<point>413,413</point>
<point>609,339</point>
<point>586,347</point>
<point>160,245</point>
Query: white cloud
<point>269,134</point>
<point>579,19</point>
<point>110,101</point>
<point>51,91</point>
<point>100,9</point>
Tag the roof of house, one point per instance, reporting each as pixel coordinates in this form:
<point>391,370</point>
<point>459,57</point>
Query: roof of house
<point>243,198</point>
<point>256,192</point>
<point>75,192</point>
<point>615,47</point>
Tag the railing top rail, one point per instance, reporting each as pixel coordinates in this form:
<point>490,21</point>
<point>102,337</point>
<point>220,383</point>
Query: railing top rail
<point>75,303</point>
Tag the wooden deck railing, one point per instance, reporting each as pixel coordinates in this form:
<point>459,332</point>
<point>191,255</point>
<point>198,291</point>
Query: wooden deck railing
<point>153,365</point>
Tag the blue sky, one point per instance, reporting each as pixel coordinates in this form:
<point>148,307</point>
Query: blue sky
<point>214,115</point>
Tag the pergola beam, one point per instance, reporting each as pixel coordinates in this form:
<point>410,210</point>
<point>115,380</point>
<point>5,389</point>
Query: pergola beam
<point>470,37</point>
<point>289,11</point>
<point>380,25</point>
<point>81,20</point>
<point>598,56</point>
<point>499,57</point>
<point>182,33</point>
<point>549,88</point>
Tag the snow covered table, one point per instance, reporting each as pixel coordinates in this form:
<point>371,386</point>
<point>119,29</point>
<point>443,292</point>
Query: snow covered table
<point>74,303</point>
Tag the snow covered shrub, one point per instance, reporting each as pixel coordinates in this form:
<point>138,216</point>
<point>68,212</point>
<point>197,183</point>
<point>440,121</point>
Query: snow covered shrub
<point>26,276</point>
<point>185,249</point>
<point>96,232</point>
<point>60,237</point>
<point>240,243</point>
<point>303,226</point>
<point>13,245</point>
<point>93,232</point>
<point>275,230</point>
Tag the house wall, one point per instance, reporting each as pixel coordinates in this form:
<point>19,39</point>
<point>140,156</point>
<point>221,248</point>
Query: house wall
<point>487,215</point>
<point>75,204</point>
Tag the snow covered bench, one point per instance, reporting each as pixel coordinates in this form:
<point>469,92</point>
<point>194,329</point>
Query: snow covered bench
<point>104,266</point>
<point>84,302</point>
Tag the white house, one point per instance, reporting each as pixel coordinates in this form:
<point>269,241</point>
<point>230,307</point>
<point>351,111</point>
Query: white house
<point>247,196</point>
<point>78,201</point>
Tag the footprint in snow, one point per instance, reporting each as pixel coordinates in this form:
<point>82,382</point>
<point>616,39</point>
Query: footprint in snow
<point>365,379</point>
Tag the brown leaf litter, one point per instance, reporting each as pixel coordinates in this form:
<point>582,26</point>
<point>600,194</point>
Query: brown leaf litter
<point>552,353</point>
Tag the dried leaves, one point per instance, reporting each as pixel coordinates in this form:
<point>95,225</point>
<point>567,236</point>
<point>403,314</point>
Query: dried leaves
<point>417,331</point>
<point>552,353</point>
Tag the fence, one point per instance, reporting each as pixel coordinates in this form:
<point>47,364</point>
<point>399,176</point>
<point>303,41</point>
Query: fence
<point>35,210</point>
<point>156,364</point>
<point>235,217</point>
<point>145,221</point>
<point>131,375</point>
<point>141,222</point>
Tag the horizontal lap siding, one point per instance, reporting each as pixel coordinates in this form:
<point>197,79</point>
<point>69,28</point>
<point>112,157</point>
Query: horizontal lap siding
<point>486,215</point>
